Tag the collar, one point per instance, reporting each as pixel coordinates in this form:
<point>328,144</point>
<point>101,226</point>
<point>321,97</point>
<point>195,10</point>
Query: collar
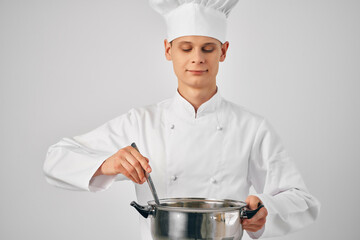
<point>182,107</point>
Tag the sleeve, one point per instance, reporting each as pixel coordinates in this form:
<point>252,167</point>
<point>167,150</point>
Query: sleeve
<point>279,186</point>
<point>72,162</point>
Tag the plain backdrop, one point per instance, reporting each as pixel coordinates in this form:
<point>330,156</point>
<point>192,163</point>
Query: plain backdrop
<point>69,66</point>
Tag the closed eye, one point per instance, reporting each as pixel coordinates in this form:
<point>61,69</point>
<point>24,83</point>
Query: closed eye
<point>204,50</point>
<point>207,50</point>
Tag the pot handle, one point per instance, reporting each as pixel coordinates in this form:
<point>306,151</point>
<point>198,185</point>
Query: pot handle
<point>247,214</point>
<point>145,211</point>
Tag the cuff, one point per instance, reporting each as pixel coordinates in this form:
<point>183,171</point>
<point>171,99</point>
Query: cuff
<point>101,183</point>
<point>258,234</point>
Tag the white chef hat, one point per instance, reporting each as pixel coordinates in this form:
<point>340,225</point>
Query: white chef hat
<point>195,17</point>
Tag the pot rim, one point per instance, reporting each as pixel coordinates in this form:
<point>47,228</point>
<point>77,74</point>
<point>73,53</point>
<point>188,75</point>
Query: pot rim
<point>236,205</point>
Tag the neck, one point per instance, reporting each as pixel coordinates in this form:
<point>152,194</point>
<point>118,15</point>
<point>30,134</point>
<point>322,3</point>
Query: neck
<point>197,96</point>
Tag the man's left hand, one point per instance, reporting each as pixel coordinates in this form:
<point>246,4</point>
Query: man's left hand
<point>258,220</point>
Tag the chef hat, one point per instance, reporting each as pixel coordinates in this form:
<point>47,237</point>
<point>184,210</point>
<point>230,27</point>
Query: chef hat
<point>195,17</point>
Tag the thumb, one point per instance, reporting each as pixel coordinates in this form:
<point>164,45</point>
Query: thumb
<point>253,202</point>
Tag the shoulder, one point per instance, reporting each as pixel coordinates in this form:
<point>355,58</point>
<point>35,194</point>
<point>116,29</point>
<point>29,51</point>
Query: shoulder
<point>254,122</point>
<point>241,113</point>
<point>249,122</point>
<point>150,115</point>
<point>151,109</point>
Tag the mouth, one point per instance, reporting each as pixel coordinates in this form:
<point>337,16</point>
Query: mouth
<point>197,71</point>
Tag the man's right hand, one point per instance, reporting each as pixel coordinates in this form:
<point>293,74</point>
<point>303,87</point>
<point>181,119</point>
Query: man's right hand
<point>127,161</point>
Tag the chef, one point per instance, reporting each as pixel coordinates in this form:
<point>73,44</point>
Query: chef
<point>196,144</point>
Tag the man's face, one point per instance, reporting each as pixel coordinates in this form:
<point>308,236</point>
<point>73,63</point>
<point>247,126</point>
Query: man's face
<point>196,60</point>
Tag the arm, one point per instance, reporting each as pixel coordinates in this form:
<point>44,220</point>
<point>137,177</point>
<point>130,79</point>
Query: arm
<point>78,163</point>
<point>279,186</point>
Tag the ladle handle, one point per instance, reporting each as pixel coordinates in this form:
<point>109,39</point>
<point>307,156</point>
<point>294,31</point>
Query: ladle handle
<point>149,180</point>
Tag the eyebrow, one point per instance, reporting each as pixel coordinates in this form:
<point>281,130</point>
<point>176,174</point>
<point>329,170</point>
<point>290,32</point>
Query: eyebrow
<point>208,43</point>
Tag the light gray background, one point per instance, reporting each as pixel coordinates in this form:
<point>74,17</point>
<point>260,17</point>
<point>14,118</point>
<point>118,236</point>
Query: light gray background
<point>66,67</point>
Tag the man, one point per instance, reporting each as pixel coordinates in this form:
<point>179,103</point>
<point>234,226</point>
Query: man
<point>196,144</point>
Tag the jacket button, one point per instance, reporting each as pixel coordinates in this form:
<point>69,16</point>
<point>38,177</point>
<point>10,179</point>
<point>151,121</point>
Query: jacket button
<point>172,126</point>
<point>219,128</point>
<point>213,181</point>
<point>173,178</point>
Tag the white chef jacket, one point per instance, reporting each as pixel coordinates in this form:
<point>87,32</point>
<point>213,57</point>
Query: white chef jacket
<point>218,152</point>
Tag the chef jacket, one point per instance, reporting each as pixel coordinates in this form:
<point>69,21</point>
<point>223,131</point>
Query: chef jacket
<point>217,152</point>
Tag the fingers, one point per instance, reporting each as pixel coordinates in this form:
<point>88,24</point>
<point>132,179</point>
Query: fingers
<point>257,222</point>
<point>259,219</point>
<point>141,159</point>
<point>126,161</point>
<point>127,174</point>
<point>253,202</point>
<point>131,164</point>
<point>139,171</point>
<point>134,171</point>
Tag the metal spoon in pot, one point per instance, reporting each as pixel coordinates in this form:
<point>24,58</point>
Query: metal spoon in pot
<point>149,180</point>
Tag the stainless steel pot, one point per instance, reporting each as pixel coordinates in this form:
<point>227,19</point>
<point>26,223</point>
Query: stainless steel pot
<point>196,218</point>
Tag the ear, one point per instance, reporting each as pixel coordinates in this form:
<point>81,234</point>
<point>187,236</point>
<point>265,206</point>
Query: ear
<point>224,49</point>
<point>167,46</point>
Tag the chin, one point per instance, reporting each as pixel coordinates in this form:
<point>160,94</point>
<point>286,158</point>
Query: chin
<point>198,83</point>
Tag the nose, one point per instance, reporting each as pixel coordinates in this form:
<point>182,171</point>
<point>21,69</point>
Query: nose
<point>198,56</point>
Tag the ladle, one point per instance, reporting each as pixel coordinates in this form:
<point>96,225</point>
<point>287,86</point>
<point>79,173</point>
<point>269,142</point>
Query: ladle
<point>149,180</point>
